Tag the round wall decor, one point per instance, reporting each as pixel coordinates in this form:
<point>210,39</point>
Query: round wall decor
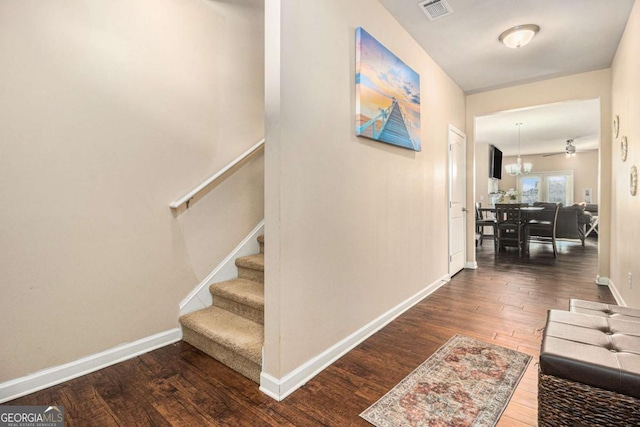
<point>634,180</point>
<point>616,126</point>
<point>623,148</point>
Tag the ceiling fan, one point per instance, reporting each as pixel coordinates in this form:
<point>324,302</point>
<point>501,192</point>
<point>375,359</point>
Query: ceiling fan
<point>569,150</point>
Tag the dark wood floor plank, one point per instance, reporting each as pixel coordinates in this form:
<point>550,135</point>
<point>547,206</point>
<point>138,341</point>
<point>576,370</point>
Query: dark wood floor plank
<point>84,406</point>
<point>505,301</point>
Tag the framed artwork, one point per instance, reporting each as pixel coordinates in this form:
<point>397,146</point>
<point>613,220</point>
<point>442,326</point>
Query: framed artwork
<point>387,95</point>
<point>587,195</point>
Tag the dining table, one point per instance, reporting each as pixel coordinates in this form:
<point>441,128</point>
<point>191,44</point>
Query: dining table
<point>530,209</point>
<point>527,210</point>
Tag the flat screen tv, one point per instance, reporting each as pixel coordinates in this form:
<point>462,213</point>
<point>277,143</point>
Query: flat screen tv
<point>495,162</point>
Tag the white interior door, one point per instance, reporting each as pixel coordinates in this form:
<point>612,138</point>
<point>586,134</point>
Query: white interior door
<point>457,196</point>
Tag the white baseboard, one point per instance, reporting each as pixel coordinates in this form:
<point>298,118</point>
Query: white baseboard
<point>471,265</point>
<point>200,297</point>
<point>278,389</point>
<point>270,386</point>
<point>616,294</point>
<point>49,377</point>
<point>602,281</point>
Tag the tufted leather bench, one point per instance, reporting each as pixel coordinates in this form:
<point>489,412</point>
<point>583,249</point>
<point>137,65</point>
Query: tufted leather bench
<point>604,310</point>
<point>589,370</point>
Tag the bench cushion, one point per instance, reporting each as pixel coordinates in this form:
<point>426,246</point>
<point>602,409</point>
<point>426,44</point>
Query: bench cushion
<point>598,351</point>
<point>604,310</point>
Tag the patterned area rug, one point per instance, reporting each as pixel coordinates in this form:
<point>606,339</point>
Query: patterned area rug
<point>466,382</point>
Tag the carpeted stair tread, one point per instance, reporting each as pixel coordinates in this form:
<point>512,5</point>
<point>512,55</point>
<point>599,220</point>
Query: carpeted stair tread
<point>252,262</point>
<point>228,330</point>
<point>231,330</point>
<point>242,291</point>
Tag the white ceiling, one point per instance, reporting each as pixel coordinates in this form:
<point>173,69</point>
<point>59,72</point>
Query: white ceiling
<point>545,129</point>
<point>575,36</point>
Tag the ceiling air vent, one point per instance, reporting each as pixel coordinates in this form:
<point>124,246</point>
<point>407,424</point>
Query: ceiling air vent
<point>435,9</point>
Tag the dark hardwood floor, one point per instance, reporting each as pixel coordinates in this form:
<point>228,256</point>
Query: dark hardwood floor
<point>504,301</point>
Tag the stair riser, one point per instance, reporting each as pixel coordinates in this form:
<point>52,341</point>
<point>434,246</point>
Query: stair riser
<point>222,354</point>
<point>250,274</point>
<point>253,314</point>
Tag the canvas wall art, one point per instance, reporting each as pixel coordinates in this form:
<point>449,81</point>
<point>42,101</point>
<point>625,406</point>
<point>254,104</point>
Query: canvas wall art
<point>387,95</point>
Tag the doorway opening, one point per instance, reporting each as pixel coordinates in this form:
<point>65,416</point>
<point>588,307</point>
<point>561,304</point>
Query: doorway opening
<point>556,175</point>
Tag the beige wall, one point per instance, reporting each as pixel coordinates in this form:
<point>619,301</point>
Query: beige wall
<point>110,110</point>
<point>584,166</point>
<point>625,215</point>
<point>592,85</point>
<point>354,226</point>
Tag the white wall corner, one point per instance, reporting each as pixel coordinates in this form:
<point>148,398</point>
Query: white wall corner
<point>200,297</point>
<point>602,281</point>
<point>279,389</point>
<point>473,265</point>
<point>19,387</point>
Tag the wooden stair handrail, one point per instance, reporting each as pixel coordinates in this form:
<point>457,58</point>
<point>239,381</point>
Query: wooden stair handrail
<point>186,199</point>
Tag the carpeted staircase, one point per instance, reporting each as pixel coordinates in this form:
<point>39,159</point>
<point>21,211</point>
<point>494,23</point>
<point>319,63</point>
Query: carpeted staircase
<point>231,330</point>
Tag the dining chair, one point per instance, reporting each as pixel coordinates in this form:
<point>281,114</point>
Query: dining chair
<point>510,226</point>
<point>482,222</point>
<point>542,228</point>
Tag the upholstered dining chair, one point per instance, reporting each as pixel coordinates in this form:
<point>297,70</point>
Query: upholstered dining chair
<point>482,222</point>
<point>510,225</point>
<point>542,228</point>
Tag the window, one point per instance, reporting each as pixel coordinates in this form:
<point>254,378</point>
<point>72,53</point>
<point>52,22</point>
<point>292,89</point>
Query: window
<point>554,187</point>
<point>557,189</point>
<point>530,189</point>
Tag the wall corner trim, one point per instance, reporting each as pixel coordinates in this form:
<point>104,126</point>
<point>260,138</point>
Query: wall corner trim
<point>270,386</point>
<point>602,281</point>
<point>279,389</point>
<point>19,387</point>
<point>616,294</point>
<point>471,265</point>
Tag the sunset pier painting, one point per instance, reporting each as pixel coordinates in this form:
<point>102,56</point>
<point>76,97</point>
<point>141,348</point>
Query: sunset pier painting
<point>387,95</point>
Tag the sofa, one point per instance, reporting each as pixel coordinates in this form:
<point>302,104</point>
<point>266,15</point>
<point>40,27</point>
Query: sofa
<point>591,207</point>
<point>573,221</point>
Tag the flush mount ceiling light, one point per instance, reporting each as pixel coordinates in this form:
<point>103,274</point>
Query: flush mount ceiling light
<point>519,36</point>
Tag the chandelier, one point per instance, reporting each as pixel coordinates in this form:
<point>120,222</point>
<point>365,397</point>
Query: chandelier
<point>518,168</point>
